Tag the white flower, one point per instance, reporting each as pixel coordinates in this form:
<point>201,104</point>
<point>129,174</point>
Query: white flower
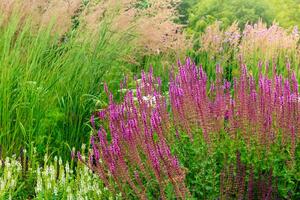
<point>2,184</point>
<point>39,184</point>
<point>13,184</point>
<point>69,192</point>
<point>150,100</point>
<point>52,172</point>
<point>7,163</point>
<point>9,175</point>
<point>67,168</point>
<point>55,191</point>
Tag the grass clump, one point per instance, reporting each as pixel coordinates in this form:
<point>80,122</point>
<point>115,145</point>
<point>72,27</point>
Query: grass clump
<point>49,87</point>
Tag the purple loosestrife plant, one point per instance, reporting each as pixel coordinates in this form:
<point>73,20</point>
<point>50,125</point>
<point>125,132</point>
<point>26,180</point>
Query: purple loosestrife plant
<point>195,105</point>
<point>264,110</point>
<point>131,141</point>
<point>138,150</point>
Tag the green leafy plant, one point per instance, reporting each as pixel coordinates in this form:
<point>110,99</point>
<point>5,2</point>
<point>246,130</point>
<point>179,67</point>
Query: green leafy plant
<point>142,4</point>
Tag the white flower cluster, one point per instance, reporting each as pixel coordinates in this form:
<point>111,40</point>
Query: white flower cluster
<point>54,180</point>
<point>58,181</point>
<point>10,172</point>
<point>150,100</point>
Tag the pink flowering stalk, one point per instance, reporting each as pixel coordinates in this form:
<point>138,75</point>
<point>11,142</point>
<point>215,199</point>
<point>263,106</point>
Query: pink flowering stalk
<point>220,44</point>
<point>138,151</point>
<point>268,43</point>
<point>264,110</point>
<point>195,105</point>
<point>256,42</point>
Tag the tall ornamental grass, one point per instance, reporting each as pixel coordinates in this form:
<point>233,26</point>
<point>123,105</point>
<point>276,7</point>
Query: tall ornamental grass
<point>271,45</point>
<point>48,83</point>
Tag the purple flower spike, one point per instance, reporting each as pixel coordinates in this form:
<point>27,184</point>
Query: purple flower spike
<point>79,156</point>
<point>92,120</point>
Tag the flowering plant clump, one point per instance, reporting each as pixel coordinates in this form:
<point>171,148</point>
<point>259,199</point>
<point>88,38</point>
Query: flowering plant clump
<point>64,181</point>
<point>135,151</point>
<point>266,113</point>
<point>10,173</point>
<point>22,178</point>
<point>250,114</point>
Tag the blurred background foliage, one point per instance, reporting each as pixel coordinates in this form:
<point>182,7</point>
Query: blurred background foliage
<point>197,15</point>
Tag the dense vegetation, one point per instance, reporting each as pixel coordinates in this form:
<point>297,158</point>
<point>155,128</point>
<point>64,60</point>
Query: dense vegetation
<point>49,87</point>
<point>90,115</point>
<point>197,15</point>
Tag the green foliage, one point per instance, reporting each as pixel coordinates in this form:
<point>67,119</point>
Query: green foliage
<point>142,4</point>
<point>202,167</point>
<point>184,8</point>
<point>160,63</point>
<point>206,12</point>
<point>199,14</point>
<point>287,12</point>
<point>205,163</point>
